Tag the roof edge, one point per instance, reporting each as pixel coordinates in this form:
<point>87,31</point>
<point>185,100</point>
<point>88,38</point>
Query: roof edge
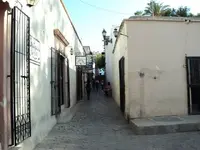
<point>120,28</point>
<point>61,1</point>
<point>170,19</point>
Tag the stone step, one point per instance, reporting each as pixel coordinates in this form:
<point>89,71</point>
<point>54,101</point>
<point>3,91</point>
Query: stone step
<point>166,124</point>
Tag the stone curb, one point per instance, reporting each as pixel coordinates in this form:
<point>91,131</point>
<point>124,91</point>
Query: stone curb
<point>165,129</point>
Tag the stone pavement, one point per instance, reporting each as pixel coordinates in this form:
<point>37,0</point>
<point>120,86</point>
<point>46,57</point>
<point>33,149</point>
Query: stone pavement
<point>99,125</point>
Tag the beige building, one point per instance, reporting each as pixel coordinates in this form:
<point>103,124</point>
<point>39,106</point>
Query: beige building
<point>155,67</point>
<point>38,76</point>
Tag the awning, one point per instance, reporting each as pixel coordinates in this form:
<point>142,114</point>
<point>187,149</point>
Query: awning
<point>11,3</point>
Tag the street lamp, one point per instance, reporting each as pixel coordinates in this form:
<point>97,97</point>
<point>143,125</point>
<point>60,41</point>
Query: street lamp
<point>106,39</point>
<point>31,3</point>
<point>117,33</point>
<point>104,33</point>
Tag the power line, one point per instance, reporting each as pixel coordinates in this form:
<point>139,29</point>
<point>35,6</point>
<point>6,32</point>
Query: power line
<point>104,9</point>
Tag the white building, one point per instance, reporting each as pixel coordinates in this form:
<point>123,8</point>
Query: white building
<point>36,85</point>
<point>108,55</point>
<point>155,79</point>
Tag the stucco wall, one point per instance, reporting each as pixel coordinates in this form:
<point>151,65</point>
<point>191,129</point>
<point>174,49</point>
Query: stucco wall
<point>119,52</point>
<point>158,48</point>
<point>46,16</point>
<point>108,54</point>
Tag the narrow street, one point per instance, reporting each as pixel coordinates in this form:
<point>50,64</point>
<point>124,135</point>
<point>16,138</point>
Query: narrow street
<point>99,125</point>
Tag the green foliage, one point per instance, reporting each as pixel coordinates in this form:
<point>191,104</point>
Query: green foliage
<point>183,12</point>
<point>170,12</point>
<point>100,61</point>
<point>138,13</point>
<point>154,8</point>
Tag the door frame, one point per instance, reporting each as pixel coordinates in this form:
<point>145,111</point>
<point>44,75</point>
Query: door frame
<point>189,83</point>
<point>55,105</point>
<point>68,84</point>
<point>122,84</point>
<point>61,61</point>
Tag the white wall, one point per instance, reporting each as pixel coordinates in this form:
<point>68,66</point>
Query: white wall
<point>46,16</point>
<point>108,55</point>
<point>120,51</point>
<point>163,44</point>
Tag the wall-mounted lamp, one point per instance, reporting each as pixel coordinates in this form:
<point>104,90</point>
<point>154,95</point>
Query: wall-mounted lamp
<point>71,51</point>
<point>106,39</point>
<point>116,33</point>
<point>31,3</point>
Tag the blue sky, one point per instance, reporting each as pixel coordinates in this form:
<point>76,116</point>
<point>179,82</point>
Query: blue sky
<point>90,21</point>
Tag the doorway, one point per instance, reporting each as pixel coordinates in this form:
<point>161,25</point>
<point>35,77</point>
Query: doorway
<point>61,60</point>
<point>55,92</point>
<point>79,83</point>
<point>122,84</point>
<point>68,85</point>
<point>193,84</point>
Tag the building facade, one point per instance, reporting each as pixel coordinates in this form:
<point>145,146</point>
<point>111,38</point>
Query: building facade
<point>155,64</point>
<point>108,55</point>
<point>38,78</point>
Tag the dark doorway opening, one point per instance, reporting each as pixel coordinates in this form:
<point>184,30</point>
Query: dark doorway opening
<point>55,82</point>
<point>68,84</point>
<point>122,84</point>
<point>61,60</point>
<point>193,84</point>
<point>79,83</point>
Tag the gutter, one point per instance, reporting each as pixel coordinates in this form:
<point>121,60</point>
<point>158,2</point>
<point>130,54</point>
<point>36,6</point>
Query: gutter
<point>61,1</point>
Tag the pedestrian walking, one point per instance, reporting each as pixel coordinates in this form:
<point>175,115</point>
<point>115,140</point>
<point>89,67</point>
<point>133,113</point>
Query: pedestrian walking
<point>88,89</point>
<point>97,85</point>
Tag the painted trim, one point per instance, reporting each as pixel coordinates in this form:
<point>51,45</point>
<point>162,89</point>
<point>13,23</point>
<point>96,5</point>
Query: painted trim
<point>60,37</point>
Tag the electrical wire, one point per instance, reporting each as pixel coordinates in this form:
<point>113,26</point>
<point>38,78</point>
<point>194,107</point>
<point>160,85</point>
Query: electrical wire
<point>104,9</point>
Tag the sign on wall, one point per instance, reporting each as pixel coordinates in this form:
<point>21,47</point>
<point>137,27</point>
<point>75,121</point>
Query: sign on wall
<point>89,61</point>
<point>80,60</point>
<point>34,51</point>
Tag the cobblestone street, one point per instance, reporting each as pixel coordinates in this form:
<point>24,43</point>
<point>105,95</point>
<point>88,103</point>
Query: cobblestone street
<point>99,125</point>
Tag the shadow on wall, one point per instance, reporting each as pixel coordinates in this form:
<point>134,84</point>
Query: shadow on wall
<point>76,43</point>
<point>40,100</point>
<point>38,24</point>
<point>73,94</point>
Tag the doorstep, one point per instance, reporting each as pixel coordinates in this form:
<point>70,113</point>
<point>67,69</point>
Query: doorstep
<point>166,124</point>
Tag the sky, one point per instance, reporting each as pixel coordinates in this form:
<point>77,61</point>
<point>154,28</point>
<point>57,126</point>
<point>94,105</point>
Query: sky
<point>90,21</point>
